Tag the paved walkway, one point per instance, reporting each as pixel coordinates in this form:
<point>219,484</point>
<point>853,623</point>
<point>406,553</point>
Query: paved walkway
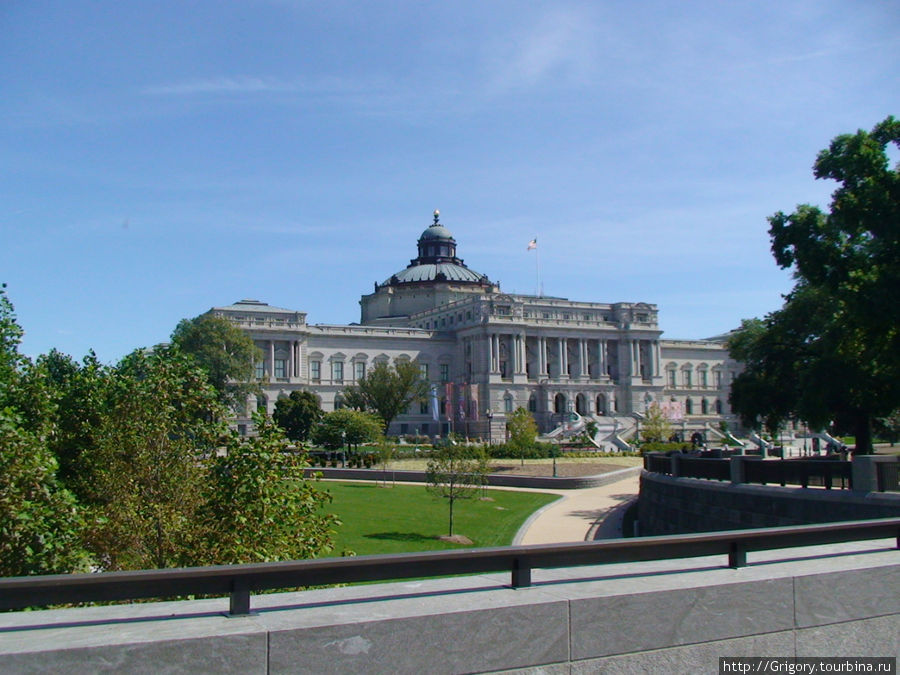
<point>572,518</point>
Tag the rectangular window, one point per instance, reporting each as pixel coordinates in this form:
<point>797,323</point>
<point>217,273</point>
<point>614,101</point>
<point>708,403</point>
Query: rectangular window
<point>337,371</point>
<point>672,379</point>
<point>404,428</point>
<point>280,368</point>
<point>315,371</point>
<point>687,378</point>
<point>359,369</point>
<point>423,368</point>
<point>260,370</point>
<point>423,408</point>
<point>703,380</point>
<point>445,372</point>
<point>717,378</point>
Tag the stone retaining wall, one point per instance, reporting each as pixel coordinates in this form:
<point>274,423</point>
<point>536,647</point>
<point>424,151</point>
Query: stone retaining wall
<point>665,616</point>
<point>669,505</point>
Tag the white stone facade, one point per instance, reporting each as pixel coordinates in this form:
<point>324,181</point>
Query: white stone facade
<point>485,350</point>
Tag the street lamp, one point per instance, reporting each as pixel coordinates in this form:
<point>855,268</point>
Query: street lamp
<point>343,449</point>
<point>490,416</point>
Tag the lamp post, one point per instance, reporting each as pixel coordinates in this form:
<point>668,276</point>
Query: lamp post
<point>343,449</point>
<point>490,416</point>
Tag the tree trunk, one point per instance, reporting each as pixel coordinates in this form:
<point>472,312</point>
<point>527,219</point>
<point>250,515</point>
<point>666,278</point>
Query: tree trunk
<point>863,431</point>
<point>451,514</point>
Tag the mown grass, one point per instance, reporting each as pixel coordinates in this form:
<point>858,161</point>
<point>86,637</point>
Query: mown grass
<point>406,518</point>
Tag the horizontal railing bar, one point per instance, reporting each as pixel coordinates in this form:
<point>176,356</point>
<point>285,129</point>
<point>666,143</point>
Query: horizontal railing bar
<point>19,592</point>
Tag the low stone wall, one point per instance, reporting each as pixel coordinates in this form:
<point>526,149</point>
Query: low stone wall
<point>665,616</point>
<point>497,480</point>
<point>669,505</point>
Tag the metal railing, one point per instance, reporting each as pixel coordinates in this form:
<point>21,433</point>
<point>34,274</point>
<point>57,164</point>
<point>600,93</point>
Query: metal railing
<point>239,581</point>
<point>802,472</point>
<point>888,476</point>
<point>821,472</point>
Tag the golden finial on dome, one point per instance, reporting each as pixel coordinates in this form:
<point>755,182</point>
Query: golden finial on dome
<point>437,215</point>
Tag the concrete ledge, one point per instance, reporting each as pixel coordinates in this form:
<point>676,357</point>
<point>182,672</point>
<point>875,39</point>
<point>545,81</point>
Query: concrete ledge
<point>495,479</point>
<point>671,616</point>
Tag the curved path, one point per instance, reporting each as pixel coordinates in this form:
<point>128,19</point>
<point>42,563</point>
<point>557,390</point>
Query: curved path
<point>574,516</point>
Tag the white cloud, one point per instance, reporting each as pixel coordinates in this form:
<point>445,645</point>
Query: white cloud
<point>560,47</point>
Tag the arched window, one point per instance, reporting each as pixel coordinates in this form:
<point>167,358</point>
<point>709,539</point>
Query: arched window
<point>704,404</point>
<point>508,403</point>
<point>559,403</point>
<point>262,404</point>
<point>581,404</point>
<point>718,406</point>
<point>601,404</point>
<point>339,401</point>
<point>688,407</point>
<point>532,403</point>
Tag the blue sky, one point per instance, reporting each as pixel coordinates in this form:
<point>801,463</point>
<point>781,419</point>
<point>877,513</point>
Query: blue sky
<point>159,158</point>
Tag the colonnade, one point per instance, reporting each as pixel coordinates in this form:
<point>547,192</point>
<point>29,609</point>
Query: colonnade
<point>292,365</point>
<point>541,356</point>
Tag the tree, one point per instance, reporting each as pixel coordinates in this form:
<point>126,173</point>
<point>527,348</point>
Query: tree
<point>346,426</point>
<point>656,426</point>
<point>452,474</point>
<point>40,522</point>
<point>388,390</point>
<point>832,352</point>
<point>522,431</point>
<point>150,462</point>
<point>258,506</point>
<point>298,414</point>
<point>80,395</point>
<point>224,351</point>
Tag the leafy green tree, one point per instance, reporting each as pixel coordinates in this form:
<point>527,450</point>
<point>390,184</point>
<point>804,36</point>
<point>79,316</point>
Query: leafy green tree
<point>522,432</point>
<point>452,474</point>
<point>80,395</point>
<point>39,519</point>
<point>656,427</point>
<point>298,414</point>
<point>225,352</point>
<point>388,390</point>
<point>258,506</point>
<point>832,352</point>
<point>352,427</point>
<point>40,522</point>
<point>149,465</point>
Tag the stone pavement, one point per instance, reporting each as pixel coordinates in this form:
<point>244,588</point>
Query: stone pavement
<point>577,515</point>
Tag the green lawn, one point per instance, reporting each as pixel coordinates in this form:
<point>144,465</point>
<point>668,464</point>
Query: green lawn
<point>406,518</point>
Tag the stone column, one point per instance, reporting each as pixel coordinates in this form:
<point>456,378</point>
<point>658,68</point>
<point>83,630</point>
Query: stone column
<point>601,357</point>
<point>271,358</point>
<point>581,360</point>
<point>563,358</point>
<point>291,354</point>
<point>542,356</point>
<point>657,359</point>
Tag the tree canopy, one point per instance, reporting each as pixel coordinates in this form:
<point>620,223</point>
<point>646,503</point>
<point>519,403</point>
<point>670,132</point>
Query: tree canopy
<point>832,352</point>
<point>388,390</point>
<point>346,426</point>
<point>298,414</point>
<point>224,351</point>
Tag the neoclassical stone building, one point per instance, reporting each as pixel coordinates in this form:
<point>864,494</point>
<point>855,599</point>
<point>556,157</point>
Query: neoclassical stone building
<point>488,352</point>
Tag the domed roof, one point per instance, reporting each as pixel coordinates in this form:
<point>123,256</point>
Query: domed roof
<point>436,231</point>
<point>437,260</point>
<point>432,272</point>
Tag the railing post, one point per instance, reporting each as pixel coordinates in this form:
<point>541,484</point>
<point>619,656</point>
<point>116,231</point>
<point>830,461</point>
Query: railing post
<point>674,464</point>
<point>239,604</point>
<point>737,555</point>
<point>736,467</point>
<point>521,573</point>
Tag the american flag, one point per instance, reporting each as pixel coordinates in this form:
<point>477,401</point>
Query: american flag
<point>532,244</point>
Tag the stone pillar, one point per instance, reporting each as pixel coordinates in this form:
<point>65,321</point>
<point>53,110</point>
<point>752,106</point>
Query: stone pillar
<point>657,359</point>
<point>495,352</point>
<point>271,358</point>
<point>601,357</point>
<point>542,356</point>
<point>292,348</point>
<point>581,360</point>
<point>563,357</point>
